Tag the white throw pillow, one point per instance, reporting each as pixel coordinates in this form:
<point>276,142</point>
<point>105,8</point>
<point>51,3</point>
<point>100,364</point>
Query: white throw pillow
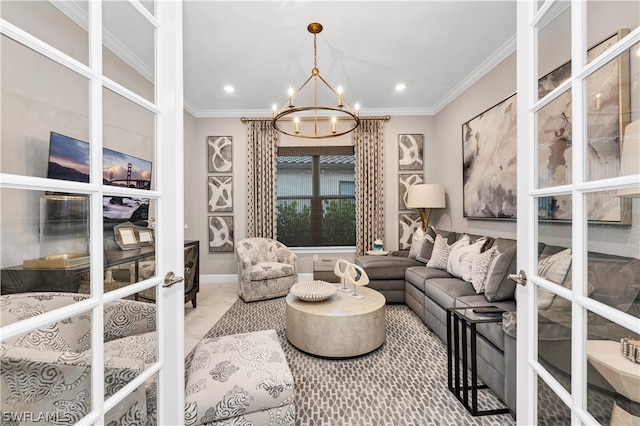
<point>417,240</point>
<point>553,268</point>
<point>440,253</point>
<point>480,268</point>
<point>461,257</point>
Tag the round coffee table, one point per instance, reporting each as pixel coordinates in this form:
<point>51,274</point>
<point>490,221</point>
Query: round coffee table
<point>338,327</point>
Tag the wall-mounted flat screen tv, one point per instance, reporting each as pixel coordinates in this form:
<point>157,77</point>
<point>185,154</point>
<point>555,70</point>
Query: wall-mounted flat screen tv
<point>125,170</point>
<point>69,160</point>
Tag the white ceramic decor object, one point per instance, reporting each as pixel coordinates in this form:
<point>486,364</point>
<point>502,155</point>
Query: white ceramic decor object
<point>352,272</point>
<point>313,291</point>
<point>340,270</point>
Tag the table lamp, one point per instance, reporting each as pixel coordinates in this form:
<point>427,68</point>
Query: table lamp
<point>425,197</point>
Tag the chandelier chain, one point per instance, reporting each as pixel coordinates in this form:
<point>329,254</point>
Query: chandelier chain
<point>315,52</point>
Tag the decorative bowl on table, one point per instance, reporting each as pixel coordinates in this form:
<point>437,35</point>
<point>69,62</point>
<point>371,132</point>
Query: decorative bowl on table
<point>313,291</point>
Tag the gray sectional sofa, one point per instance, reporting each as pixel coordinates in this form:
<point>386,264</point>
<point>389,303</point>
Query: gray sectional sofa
<point>429,292</point>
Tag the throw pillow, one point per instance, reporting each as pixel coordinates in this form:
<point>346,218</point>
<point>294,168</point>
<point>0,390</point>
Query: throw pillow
<point>440,253</point>
<point>480,267</point>
<point>461,258</point>
<point>553,268</point>
<point>560,303</point>
<point>499,286</point>
<point>427,245</point>
<point>417,239</point>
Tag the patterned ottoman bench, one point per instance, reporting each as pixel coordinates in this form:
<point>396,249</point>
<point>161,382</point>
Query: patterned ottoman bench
<point>240,379</point>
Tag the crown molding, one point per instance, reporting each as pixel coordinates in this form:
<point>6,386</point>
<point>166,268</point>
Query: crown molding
<point>491,62</point>
<point>483,69</point>
<point>268,113</point>
<point>80,17</point>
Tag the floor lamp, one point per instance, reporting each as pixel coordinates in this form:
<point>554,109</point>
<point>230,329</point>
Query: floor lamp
<point>425,197</point>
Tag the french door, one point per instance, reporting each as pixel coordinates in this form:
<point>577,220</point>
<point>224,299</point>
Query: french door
<point>92,148</point>
<point>578,186</point>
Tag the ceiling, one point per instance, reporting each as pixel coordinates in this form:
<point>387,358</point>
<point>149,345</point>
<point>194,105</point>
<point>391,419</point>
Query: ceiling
<point>436,48</point>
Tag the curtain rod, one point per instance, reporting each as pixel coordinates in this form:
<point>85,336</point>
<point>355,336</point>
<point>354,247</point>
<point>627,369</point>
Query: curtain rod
<point>377,117</point>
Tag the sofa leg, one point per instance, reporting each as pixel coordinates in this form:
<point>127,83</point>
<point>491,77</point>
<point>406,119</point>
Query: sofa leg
<point>193,301</point>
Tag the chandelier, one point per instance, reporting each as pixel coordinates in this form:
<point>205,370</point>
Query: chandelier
<point>315,121</point>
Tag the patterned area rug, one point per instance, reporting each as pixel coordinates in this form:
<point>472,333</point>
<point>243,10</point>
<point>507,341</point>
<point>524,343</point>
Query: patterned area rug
<point>404,382</point>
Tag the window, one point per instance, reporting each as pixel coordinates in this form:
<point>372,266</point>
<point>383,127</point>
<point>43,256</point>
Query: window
<point>316,196</point>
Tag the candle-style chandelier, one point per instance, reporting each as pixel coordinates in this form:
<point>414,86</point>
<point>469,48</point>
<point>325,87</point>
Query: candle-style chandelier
<point>315,121</point>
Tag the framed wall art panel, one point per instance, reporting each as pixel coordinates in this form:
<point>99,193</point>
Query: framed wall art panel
<point>489,163</point>
<point>220,194</point>
<point>220,233</point>
<point>410,152</point>
<point>407,225</point>
<point>219,154</point>
<point>404,181</point>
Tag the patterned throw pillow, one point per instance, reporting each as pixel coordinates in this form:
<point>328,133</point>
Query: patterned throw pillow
<point>480,268</point>
<point>553,268</point>
<point>461,258</point>
<point>417,239</point>
<point>440,254</point>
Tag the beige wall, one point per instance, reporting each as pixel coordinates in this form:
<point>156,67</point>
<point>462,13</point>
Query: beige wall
<point>39,96</point>
<point>196,133</point>
<point>447,167</point>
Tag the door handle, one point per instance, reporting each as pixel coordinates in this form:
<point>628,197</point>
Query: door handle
<point>171,279</point>
<point>519,278</point>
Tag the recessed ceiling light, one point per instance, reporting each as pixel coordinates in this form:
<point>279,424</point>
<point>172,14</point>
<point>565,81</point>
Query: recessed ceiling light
<point>400,87</point>
<point>229,88</point>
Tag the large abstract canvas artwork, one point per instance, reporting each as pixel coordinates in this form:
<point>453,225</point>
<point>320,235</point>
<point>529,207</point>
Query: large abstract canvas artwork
<point>221,233</point>
<point>489,163</point>
<point>219,154</point>
<point>605,98</point>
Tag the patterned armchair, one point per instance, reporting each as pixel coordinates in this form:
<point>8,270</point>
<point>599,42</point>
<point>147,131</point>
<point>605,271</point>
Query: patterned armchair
<point>47,372</point>
<point>266,269</point>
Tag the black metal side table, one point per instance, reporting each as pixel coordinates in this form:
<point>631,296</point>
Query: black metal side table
<point>458,320</point>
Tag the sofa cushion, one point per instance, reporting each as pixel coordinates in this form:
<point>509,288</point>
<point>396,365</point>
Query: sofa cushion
<point>445,291</point>
<point>499,286</point>
<point>386,267</point>
<point>416,275</point>
<point>270,270</point>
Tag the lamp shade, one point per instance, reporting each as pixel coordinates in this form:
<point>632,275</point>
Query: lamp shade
<point>426,195</point>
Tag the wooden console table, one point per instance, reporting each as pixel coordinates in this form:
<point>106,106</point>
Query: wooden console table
<point>17,279</point>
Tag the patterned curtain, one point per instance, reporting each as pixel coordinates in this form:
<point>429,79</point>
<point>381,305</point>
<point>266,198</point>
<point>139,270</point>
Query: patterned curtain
<point>261,179</point>
<point>369,171</point>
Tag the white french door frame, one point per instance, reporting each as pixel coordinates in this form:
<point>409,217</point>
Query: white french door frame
<point>168,110</point>
<point>529,20</point>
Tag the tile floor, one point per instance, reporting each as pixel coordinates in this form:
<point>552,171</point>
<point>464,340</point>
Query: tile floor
<point>214,299</point>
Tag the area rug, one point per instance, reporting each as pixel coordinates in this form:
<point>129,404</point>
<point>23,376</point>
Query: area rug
<point>404,382</point>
